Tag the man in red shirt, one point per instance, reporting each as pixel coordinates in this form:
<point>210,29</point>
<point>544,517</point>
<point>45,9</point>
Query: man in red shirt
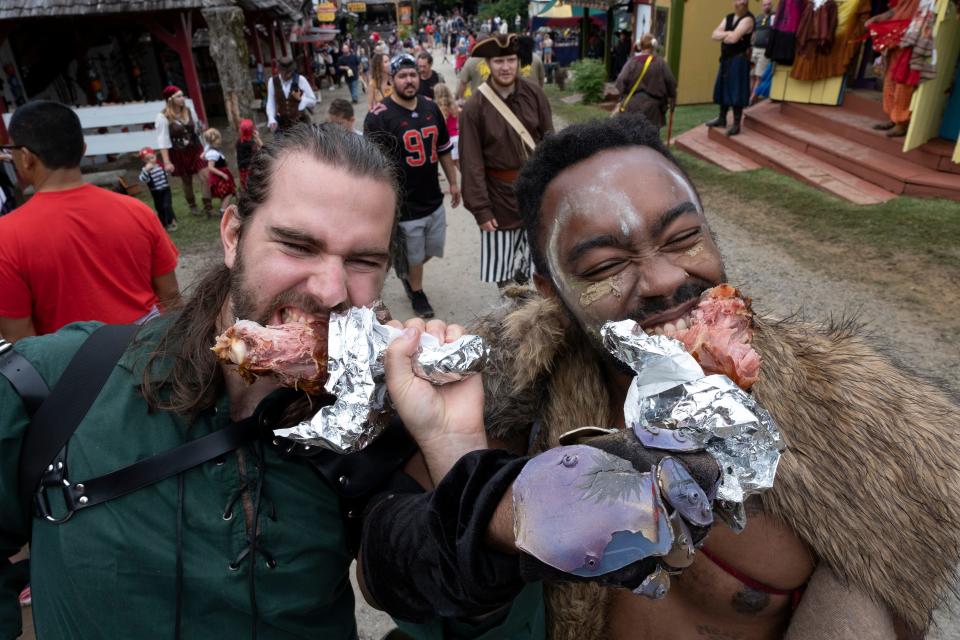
<point>74,251</point>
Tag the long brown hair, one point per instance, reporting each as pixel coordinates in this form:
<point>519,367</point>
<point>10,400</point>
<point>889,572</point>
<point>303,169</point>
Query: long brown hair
<point>195,380</point>
<point>377,76</point>
<point>172,113</point>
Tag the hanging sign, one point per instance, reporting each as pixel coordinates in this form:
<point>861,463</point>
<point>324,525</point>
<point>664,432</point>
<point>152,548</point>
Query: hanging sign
<point>327,12</point>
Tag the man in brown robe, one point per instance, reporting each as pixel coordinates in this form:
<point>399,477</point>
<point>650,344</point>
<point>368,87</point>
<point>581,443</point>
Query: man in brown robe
<point>491,153</point>
<point>657,91</point>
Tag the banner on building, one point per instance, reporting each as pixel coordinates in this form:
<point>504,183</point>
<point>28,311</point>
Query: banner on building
<point>357,7</point>
<point>406,14</point>
<point>313,35</point>
<point>326,12</point>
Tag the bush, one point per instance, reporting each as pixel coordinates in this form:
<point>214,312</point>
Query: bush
<point>589,76</point>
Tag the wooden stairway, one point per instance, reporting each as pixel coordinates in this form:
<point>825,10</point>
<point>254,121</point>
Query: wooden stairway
<point>834,149</point>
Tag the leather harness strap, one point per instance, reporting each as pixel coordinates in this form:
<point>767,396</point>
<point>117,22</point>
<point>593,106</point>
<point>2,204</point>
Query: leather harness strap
<point>73,395</point>
<point>24,378</point>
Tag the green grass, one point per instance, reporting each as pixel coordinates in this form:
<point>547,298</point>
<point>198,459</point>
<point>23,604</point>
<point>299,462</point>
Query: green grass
<point>691,115</point>
<point>572,113</point>
<point>926,228</point>
<point>686,117</point>
<point>193,232</point>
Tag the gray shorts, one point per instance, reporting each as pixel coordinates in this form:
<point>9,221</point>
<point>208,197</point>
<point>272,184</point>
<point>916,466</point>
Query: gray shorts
<point>760,62</point>
<point>425,237</point>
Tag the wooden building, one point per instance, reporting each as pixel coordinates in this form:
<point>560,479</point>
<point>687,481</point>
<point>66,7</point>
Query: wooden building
<point>821,132</point>
<point>97,52</point>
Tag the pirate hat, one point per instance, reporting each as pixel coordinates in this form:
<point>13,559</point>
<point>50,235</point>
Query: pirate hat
<point>496,46</point>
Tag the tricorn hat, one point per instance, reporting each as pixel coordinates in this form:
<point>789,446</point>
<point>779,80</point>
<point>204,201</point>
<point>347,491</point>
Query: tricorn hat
<point>285,62</point>
<point>496,46</point>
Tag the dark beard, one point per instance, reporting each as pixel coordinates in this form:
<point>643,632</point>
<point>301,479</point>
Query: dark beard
<point>244,306</point>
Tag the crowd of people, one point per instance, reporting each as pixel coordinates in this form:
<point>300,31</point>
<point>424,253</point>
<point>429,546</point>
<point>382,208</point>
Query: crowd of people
<point>142,470</point>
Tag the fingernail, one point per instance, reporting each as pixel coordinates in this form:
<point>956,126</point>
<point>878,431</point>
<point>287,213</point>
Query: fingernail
<point>410,333</point>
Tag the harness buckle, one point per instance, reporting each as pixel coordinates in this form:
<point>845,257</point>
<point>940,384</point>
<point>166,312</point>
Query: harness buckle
<point>54,476</point>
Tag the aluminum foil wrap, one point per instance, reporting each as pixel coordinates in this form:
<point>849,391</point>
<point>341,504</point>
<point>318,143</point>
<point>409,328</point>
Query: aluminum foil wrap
<point>672,405</point>
<point>355,349</point>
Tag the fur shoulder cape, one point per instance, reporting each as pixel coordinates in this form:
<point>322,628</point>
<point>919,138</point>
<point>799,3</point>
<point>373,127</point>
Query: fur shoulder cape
<point>869,481</point>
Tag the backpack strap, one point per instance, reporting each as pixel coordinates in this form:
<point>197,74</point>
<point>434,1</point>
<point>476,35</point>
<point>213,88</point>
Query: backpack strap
<point>23,377</point>
<point>60,415</point>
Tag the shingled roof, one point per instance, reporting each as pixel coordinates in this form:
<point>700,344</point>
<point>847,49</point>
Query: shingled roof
<point>16,9</point>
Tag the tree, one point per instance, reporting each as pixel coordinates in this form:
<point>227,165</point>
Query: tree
<point>506,9</point>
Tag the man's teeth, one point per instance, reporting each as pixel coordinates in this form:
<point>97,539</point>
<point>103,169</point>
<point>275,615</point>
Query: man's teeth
<point>671,328</point>
<point>287,316</point>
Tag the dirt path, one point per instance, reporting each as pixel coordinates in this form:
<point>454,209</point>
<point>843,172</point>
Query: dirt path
<point>908,311</point>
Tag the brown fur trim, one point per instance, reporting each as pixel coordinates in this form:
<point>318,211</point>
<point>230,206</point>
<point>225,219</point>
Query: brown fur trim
<point>869,481</point>
<point>576,611</point>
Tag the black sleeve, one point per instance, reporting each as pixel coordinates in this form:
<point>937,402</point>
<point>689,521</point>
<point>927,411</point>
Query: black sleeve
<point>424,555</point>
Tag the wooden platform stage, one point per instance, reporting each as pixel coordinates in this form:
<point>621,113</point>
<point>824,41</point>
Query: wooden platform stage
<point>834,149</point>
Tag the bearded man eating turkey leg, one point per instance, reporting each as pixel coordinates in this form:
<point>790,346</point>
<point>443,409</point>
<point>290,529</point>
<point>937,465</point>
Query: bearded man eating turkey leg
<point>863,491</point>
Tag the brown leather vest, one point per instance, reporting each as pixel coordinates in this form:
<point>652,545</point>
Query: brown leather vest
<point>182,135</point>
<point>288,108</point>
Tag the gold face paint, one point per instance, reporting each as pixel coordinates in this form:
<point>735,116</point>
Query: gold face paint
<point>602,289</point>
<point>694,250</point>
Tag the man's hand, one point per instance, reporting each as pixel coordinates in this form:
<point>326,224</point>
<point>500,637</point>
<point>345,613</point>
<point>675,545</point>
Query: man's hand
<point>296,93</point>
<point>272,126</point>
<point>169,168</point>
<point>489,225</point>
<point>454,195</point>
<point>446,421</point>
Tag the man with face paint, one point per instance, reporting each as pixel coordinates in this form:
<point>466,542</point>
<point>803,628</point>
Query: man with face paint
<point>863,492</point>
<point>499,125</point>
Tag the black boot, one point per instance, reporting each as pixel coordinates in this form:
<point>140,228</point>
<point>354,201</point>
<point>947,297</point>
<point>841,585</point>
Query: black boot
<point>721,120</point>
<point>737,117</point>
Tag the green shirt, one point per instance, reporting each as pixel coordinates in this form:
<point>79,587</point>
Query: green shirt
<point>110,571</point>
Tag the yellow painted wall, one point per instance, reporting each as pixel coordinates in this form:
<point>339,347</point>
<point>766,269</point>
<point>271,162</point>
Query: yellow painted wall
<point>931,97</point>
<point>700,55</point>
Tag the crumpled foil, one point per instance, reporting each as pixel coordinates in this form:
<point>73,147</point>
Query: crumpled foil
<point>355,349</point>
<point>672,405</point>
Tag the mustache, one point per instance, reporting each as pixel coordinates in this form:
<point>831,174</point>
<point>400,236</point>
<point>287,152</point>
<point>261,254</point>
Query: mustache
<point>306,303</point>
<point>647,307</point>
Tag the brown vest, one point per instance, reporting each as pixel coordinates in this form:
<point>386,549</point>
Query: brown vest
<point>288,108</point>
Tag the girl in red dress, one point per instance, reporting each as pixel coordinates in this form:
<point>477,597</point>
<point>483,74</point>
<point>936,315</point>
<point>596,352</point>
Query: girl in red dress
<point>222,184</point>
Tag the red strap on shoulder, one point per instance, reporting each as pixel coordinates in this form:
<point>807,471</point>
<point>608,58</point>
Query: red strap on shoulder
<point>795,594</point>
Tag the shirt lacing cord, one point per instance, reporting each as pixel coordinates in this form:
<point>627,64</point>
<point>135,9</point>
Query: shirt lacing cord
<point>252,549</point>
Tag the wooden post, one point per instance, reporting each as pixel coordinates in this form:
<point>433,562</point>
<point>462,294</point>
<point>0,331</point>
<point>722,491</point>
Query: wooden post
<point>608,42</point>
<point>273,49</point>
<point>5,28</point>
<point>181,41</point>
<point>675,37</point>
<point>584,32</point>
<point>257,50</point>
<point>284,43</point>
